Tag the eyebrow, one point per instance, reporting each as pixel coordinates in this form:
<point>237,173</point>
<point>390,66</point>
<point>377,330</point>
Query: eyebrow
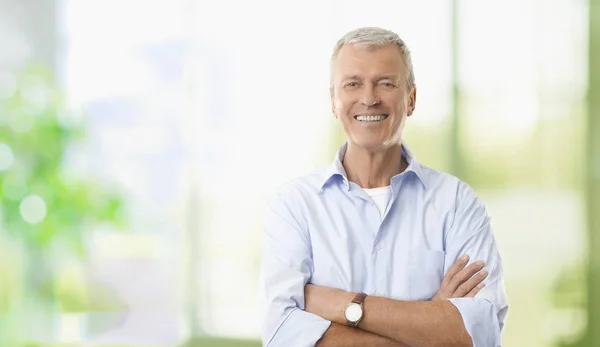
<point>388,77</point>
<point>352,77</point>
<point>384,77</point>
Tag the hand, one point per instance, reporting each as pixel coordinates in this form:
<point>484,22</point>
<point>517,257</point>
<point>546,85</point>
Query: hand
<point>461,282</point>
<point>328,303</point>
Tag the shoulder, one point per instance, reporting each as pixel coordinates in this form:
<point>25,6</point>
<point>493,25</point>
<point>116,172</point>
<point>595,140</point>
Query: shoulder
<point>448,188</point>
<point>296,191</point>
<point>467,215</point>
<point>440,182</point>
<point>290,200</point>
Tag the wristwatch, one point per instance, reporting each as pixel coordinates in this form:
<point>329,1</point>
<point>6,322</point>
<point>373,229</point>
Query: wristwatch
<point>354,311</point>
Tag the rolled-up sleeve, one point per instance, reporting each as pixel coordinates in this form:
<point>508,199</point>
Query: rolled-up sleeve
<point>471,233</point>
<point>286,267</point>
<point>482,320</point>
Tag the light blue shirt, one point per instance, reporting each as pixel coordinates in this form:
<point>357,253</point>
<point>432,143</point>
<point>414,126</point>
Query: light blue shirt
<point>325,230</point>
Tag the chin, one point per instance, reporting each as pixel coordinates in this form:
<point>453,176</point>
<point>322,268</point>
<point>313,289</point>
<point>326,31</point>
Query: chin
<point>371,144</point>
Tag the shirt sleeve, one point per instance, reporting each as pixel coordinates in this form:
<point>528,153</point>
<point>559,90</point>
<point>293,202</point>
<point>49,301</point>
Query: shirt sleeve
<point>286,267</point>
<point>471,233</point>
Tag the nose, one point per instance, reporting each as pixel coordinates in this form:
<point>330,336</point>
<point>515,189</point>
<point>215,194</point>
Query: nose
<point>369,96</point>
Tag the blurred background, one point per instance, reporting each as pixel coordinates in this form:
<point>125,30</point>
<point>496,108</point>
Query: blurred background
<point>141,140</point>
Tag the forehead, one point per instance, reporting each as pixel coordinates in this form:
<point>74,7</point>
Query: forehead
<point>358,60</point>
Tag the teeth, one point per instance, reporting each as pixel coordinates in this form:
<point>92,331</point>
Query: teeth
<point>374,118</point>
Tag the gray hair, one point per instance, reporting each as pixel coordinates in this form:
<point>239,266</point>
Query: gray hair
<point>373,38</point>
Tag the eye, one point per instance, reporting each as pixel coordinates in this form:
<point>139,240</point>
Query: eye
<point>387,84</point>
<point>351,85</point>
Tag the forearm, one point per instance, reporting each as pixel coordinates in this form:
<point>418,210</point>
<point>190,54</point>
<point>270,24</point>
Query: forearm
<point>416,323</point>
<point>413,323</point>
<point>343,336</point>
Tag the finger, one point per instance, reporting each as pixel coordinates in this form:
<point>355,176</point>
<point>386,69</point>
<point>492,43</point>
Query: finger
<point>466,273</point>
<point>475,290</point>
<point>470,284</point>
<point>454,269</point>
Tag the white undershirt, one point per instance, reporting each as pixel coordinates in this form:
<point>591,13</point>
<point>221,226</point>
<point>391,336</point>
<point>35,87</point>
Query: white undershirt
<point>381,198</point>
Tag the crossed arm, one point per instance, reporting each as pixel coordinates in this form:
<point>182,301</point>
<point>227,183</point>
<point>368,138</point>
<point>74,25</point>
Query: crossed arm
<point>400,323</point>
<point>301,316</point>
<point>388,322</point>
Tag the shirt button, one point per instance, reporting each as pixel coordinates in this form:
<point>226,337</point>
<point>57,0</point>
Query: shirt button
<point>377,293</point>
<point>378,247</point>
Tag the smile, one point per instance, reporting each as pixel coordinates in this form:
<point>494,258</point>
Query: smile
<point>371,118</point>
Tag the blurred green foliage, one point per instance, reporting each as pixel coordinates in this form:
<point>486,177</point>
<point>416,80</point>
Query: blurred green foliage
<point>37,128</point>
<point>46,211</point>
<point>204,342</point>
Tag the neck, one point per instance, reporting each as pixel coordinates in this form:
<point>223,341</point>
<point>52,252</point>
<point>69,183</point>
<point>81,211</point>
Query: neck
<point>371,169</point>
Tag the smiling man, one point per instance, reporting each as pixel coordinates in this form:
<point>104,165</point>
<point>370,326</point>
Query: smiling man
<point>377,249</point>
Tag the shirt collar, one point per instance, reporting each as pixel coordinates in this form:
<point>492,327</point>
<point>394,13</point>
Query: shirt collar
<point>336,168</point>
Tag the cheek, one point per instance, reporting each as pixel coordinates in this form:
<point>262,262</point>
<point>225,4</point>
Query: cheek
<point>338,104</point>
<point>396,103</point>
<point>341,107</point>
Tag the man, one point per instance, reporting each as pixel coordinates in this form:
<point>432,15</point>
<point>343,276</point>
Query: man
<point>372,250</point>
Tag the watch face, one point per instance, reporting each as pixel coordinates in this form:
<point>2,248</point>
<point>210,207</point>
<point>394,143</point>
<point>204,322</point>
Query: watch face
<point>353,312</point>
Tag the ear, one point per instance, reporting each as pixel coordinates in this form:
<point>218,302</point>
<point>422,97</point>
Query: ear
<point>412,101</point>
<point>332,98</point>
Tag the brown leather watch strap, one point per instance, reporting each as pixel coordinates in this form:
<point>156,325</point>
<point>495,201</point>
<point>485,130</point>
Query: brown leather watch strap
<point>359,298</point>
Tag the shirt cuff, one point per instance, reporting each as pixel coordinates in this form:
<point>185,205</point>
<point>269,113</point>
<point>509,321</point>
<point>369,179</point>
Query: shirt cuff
<point>480,317</point>
<point>299,329</point>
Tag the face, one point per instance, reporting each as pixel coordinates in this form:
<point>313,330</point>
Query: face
<point>370,96</point>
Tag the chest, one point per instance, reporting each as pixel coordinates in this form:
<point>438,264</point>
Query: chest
<point>400,256</point>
